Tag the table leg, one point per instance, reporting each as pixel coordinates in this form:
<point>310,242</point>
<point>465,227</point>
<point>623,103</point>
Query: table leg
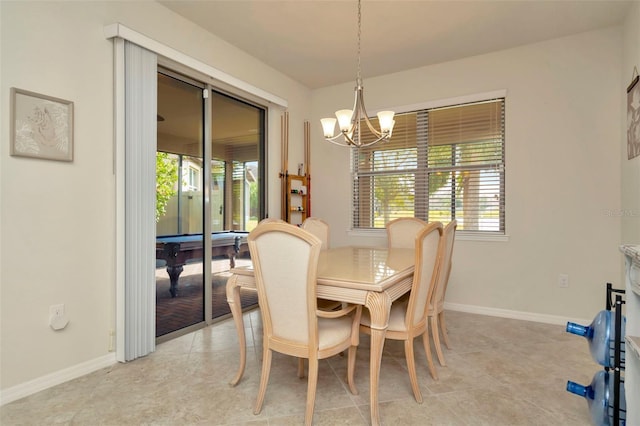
<point>174,273</point>
<point>379,305</point>
<point>233,298</point>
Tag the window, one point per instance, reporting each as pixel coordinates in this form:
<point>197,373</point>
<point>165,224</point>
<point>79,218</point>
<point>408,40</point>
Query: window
<point>440,164</point>
<point>193,178</point>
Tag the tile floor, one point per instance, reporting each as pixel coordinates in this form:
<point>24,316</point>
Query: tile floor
<point>499,372</point>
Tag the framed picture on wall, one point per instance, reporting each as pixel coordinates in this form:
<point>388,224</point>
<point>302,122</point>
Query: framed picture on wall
<point>41,126</point>
<point>633,117</point>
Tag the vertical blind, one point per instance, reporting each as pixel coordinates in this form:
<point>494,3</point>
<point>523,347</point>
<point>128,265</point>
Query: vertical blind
<point>440,164</point>
<point>140,201</point>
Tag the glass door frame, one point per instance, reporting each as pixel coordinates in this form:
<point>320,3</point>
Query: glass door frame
<point>167,68</point>
<point>206,226</point>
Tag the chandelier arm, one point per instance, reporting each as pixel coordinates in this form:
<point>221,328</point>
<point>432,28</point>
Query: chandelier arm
<point>381,138</point>
<point>356,127</point>
<point>356,105</point>
<point>347,140</point>
<point>352,145</point>
<point>342,144</point>
<point>362,111</point>
<point>372,129</point>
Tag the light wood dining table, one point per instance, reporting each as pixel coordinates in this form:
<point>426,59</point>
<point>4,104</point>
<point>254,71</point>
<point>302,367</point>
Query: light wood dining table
<point>370,276</point>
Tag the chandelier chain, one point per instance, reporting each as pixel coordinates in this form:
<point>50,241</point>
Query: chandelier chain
<point>359,79</point>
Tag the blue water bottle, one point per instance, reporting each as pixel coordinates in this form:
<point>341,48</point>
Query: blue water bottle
<point>601,337</point>
<point>599,396</point>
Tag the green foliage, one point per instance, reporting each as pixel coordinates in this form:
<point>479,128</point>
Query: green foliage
<point>166,179</point>
<point>253,199</point>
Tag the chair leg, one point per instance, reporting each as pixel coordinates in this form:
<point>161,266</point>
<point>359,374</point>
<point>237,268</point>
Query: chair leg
<point>264,379</point>
<point>300,368</point>
<point>436,339</point>
<point>311,390</point>
<point>411,366</point>
<point>351,367</point>
<point>443,329</point>
<point>427,349</point>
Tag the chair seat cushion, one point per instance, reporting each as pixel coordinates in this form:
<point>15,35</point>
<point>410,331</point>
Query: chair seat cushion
<point>333,331</point>
<point>396,316</point>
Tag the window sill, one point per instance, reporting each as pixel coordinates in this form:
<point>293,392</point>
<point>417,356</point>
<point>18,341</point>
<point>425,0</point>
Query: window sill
<point>460,235</point>
<point>481,236</point>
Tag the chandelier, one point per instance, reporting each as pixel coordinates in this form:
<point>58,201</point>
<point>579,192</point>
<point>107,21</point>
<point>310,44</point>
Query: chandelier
<point>350,120</point>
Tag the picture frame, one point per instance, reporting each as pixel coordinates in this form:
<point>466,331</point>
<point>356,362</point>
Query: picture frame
<point>41,126</point>
<point>633,117</point>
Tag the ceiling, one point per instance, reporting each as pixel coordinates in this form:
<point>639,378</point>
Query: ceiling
<point>315,41</point>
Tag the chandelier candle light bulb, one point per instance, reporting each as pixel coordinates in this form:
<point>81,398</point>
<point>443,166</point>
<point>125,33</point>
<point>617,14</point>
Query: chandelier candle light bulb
<point>344,119</point>
<point>385,118</point>
<point>328,126</point>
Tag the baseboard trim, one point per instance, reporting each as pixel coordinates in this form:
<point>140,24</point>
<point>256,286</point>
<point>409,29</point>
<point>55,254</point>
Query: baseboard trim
<point>519,315</point>
<point>41,383</point>
<point>20,391</point>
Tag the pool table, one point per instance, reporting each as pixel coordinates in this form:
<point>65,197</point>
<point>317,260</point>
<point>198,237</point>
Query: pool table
<point>178,250</point>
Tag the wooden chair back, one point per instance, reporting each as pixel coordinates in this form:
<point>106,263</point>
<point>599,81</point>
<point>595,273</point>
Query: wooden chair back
<point>402,232</point>
<point>319,228</point>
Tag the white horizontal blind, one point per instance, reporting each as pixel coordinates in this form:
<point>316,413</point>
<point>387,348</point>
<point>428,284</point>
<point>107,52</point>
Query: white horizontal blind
<point>440,164</point>
<point>386,177</point>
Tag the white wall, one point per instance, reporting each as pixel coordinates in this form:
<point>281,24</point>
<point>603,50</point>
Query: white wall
<point>563,113</point>
<point>58,219</point>
<point>630,213</point>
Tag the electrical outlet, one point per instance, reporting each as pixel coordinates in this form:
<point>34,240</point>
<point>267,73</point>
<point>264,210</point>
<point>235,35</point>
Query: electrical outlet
<point>56,311</point>
<point>563,280</point>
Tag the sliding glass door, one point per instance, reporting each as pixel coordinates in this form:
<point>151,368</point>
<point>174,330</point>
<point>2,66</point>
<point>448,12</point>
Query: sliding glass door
<point>237,176</point>
<point>179,205</point>
<point>208,196</point>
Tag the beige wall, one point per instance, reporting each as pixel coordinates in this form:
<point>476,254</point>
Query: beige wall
<point>58,219</point>
<point>630,212</point>
<point>563,171</point>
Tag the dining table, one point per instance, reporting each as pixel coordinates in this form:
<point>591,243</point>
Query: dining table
<point>369,276</point>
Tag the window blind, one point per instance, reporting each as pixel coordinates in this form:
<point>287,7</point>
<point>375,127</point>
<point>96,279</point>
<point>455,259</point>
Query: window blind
<point>440,164</point>
<point>140,201</point>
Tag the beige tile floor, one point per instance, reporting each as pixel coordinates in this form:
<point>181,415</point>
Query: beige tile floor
<point>499,372</point>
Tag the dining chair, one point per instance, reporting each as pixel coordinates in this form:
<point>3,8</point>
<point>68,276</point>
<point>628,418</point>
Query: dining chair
<point>270,220</point>
<point>436,310</point>
<point>319,228</point>
<point>285,261</point>
<point>401,232</point>
<point>408,317</point>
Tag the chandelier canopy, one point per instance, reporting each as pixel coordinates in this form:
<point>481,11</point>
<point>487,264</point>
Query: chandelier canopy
<point>350,120</point>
